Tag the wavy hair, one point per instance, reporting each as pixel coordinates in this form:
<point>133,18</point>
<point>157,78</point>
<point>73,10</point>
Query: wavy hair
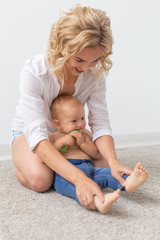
<point>77,29</point>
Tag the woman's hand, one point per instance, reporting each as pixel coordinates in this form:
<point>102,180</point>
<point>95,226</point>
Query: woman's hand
<point>105,145</point>
<point>119,170</point>
<point>86,189</point>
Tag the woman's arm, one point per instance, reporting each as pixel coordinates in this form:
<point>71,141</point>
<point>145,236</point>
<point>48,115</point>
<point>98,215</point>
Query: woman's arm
<point>101,129</point>
<point>105,145</point>
<point>85,187</point>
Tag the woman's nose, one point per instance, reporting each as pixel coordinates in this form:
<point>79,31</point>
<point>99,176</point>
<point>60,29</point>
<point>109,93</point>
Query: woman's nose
<point>86,67</point>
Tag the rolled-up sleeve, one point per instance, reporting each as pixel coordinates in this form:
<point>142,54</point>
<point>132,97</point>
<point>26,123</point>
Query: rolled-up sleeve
<point>98,112</point>
<point>32,105</point>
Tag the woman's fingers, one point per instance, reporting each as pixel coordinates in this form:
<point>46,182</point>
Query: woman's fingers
<point>127,170</point>
<point>118,171</point>
<point>100,195</point>
<point>85,192</point>
<point>121,180</point>
<point>88,202</point>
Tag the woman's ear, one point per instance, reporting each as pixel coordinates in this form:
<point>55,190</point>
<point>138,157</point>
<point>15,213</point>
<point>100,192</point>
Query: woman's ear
<point>57,124</point>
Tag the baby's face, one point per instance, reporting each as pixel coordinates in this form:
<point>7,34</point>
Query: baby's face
<point>72,117</point>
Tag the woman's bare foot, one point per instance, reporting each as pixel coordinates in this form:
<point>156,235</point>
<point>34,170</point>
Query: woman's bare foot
<point>137,178</point>
<point>109,199</point>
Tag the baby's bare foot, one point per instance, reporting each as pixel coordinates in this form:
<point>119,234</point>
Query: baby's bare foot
<point>137,178</point>
<point>109,199</point>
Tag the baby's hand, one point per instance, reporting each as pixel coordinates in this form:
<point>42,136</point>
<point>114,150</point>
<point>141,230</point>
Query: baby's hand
<point>68,140</point>
<point>79,136</point>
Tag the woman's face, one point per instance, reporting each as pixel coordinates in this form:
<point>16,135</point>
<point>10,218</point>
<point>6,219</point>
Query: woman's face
<point>83,60</point>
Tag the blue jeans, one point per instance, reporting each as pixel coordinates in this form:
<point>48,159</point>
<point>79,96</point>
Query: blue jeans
<point>14,135</point>
<point>102,176</point>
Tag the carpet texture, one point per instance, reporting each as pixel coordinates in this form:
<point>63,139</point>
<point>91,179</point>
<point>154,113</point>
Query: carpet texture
<point>27,215</point>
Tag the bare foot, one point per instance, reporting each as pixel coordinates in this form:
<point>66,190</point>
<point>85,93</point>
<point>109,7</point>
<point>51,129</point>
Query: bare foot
<point>137,178</point>
<point>109,199</point>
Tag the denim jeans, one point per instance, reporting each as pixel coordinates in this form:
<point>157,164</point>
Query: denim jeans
<point>14,135</point>
<point>102,176</point>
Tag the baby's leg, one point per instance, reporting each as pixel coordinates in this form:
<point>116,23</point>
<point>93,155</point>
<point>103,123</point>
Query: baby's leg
<point>103,177</point>
<point>137,178</point>
<point>64,187</point>
<point>109,199</point>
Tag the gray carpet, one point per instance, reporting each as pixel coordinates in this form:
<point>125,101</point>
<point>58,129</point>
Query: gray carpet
<point>26,215</point>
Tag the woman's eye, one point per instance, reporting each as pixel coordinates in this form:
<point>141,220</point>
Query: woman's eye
<point>78,60</point>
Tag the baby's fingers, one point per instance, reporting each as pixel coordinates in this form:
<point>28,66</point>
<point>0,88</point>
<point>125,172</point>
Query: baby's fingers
<point>75,134</point>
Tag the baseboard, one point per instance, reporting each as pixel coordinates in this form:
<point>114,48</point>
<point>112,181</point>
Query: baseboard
<point>121,141</point>
<point>140,139</point>
<point>5,152</point>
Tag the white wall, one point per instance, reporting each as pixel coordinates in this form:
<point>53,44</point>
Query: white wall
<point>133,83</point>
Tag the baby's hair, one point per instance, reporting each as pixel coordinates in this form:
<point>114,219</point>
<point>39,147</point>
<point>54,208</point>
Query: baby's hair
<point>59,102</point>
<point>79,28</point>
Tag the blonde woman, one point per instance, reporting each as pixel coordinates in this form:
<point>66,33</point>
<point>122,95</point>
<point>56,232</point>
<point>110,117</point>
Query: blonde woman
<point>77,59</point>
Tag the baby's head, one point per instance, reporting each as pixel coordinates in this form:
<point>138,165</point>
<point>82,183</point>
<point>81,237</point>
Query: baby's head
<point>68,114</point>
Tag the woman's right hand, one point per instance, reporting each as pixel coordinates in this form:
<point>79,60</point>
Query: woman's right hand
<point>86,189</point>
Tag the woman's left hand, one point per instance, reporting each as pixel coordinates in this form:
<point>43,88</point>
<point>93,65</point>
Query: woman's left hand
<point>119,170</point>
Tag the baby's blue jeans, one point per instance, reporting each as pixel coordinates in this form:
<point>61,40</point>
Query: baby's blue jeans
<point>102,176</point>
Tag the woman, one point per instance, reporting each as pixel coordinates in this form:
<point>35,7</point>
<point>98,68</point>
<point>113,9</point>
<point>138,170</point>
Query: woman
<point>80,43</point>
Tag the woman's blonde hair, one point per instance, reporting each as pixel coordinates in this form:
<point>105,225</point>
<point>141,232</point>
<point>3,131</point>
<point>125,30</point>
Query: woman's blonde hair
<point>79,28</point>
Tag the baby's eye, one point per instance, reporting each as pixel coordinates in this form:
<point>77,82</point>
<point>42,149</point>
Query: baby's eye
<point>74,121</point>
<point>82,118</point>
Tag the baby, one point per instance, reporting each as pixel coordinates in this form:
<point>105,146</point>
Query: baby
<point>76,145</point>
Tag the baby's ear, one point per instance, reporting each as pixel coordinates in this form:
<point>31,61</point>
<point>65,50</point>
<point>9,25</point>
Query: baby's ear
<point>57,123</point>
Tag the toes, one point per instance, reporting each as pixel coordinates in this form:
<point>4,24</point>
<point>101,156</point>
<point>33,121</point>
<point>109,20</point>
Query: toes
<point>144,170</point>
<point>139,165</point>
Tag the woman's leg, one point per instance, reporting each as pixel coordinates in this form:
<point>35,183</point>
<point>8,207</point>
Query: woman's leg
<point>30,170</point>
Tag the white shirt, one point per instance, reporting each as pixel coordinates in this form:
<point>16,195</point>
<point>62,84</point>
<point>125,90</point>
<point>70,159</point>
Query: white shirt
<point>38,88</point>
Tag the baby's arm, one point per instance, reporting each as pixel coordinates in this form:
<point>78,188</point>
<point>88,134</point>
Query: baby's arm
<point>89,147</point>
<point>61,141</point>
<point>86,144</point>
